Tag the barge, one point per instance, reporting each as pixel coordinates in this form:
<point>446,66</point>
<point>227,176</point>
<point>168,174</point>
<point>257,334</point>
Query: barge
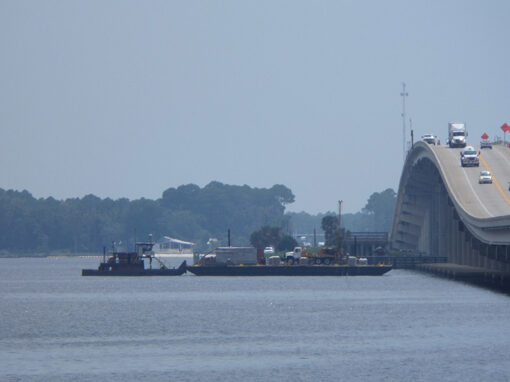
<point>289,270</point>
<point>133,264</point>
<point>246,261</point>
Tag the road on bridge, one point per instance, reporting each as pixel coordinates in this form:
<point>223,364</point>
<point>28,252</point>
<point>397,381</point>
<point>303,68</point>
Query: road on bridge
<point>478,200</point>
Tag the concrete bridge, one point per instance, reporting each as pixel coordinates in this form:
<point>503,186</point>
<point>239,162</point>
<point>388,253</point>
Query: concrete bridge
<point>442,210</point>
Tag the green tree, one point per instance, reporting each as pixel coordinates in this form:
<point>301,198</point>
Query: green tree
<point>329,225</point>
<point>287,243</point>
<point>282,194</point>
<point>381,205</point>
<point>241,208</point>
<point>265,237</point>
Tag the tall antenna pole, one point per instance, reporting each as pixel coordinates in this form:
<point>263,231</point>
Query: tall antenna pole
<point>412,132</point>
<point>404,94</point>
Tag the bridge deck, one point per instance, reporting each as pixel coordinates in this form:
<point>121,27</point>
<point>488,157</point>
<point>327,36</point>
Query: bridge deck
<point>478,200</point>
<point>442,209</point>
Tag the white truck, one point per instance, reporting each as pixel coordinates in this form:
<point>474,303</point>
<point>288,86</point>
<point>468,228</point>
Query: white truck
<point>294,256</point>
<point>457,134</point>
<point>300,255</point>
<point>469,157</point>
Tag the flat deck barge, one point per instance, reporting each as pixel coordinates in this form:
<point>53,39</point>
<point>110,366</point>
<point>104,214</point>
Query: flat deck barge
<point>289,270</point>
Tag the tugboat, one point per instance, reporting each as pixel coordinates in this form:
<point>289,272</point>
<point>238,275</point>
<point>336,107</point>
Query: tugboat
<point>133,264</point>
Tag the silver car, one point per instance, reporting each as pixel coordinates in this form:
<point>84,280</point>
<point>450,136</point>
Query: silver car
<point>485,177</point>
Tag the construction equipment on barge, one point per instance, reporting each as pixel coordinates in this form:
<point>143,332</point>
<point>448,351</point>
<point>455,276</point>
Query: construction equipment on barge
<point>243,261</point>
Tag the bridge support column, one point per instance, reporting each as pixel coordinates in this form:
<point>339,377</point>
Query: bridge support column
<point>455,240</point>
<point>485,256</point>
<point>461,244</point>
<point>451,238</point>
<point>473,260</point>
<point>442,223</point>
<point>468,254</point>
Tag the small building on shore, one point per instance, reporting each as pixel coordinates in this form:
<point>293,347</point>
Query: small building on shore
<point>171,246</point>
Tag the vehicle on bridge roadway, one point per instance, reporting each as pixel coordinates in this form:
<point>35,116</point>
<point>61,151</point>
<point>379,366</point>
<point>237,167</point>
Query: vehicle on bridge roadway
<point>485,145</point>
<point>469,157</point>
<point>429,138</point>
<point>485,177</point>
<point>457,134</point>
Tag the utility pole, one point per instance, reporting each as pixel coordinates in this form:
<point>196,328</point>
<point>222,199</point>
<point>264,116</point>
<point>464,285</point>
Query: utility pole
<point>412,132</point>
<point>339,236</point>
<point>404,94</point>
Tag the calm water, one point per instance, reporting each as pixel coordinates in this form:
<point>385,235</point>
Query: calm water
<point>58,326</point>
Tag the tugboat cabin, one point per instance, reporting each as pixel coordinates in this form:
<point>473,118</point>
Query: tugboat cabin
<point>127,261</point>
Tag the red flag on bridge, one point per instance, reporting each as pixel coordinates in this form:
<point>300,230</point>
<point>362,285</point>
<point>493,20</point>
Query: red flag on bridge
<point>505,127</point>
<point>485,136</point>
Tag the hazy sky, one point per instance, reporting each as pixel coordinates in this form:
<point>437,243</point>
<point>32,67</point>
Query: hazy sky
<point>129,98</point>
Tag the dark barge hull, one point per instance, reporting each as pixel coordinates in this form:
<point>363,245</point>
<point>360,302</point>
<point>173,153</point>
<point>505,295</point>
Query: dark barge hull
<point>289,270</point>
<point>136,272</point>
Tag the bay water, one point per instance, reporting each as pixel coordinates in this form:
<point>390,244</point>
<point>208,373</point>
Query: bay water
<point>56,325</point>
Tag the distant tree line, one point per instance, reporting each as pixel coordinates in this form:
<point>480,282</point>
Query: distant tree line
<point>188,212</point>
